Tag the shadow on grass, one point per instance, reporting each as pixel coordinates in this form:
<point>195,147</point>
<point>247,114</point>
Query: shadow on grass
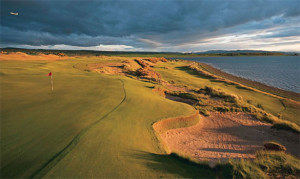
<point>227,151</point>
<point>196,74</point>
<point>224,82</point>
<point>191,72</point>
<point>244,88</point>
<point>151,87</point>
<point>183,168</point>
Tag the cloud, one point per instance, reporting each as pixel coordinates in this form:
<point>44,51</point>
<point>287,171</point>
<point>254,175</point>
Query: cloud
<point>98,47</point>
<point>150,42</point>
<point>147,25</point>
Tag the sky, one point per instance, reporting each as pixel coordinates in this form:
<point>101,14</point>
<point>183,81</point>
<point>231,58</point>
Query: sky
<point>151,25</point>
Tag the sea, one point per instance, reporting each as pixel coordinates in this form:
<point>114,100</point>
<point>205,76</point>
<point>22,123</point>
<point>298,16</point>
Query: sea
<point>278,71</point>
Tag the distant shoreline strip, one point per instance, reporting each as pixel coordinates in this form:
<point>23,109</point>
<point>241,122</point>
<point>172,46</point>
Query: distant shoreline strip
<point>254,84</point>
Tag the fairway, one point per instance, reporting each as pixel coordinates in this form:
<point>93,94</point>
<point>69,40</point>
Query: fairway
<point>101,125</point>
<point>110,127</point>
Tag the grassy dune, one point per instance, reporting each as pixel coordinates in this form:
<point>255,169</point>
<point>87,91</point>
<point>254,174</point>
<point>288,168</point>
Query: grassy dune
<point>97,125</point>
<point>182,75</point>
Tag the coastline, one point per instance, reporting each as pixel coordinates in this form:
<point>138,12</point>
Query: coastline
<point>250,83</point>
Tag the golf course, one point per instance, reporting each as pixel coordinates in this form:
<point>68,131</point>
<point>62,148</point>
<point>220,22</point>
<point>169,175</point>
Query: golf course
<point>140,117</point>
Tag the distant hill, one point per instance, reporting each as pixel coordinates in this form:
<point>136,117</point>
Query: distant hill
<point>89,52</point>
<point>148,54</point>
<point>246,52</point>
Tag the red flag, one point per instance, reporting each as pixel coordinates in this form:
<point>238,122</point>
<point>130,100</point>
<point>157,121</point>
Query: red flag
<point>50,74</point>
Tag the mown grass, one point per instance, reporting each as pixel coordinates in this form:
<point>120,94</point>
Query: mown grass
<point>115,113</point>
<point>37,124</point>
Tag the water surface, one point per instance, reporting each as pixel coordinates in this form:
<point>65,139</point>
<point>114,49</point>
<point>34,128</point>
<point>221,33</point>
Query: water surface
<point>278,71</point>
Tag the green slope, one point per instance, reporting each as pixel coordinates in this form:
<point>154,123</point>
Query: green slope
<point>36,123</point>
<point>88,127</point>
<point>113,147</point>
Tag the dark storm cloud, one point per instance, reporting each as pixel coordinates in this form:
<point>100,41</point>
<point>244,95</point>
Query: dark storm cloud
<point>46,38</point>
<point>135,23</point>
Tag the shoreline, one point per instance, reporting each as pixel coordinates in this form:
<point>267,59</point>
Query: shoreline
<point>249,83</point>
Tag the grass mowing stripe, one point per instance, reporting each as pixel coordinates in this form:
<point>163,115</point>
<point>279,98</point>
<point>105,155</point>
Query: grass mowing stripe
<point>61,154</point>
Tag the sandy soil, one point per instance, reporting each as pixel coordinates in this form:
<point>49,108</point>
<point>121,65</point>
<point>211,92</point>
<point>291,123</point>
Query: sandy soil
<point>24,56</point>
<point>107,68</point>
<point>230,135</point>
<point>173,87</point>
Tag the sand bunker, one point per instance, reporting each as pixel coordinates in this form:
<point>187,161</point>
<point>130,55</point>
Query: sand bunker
<point>230,135</point>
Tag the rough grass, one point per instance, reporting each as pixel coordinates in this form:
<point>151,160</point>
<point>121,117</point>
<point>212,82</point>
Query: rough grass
<point>204,105</point>
<point>268,165</point>
<point>277,123</point>
<point>218,94</point>
<point>183,94</point>
<point>195,67</point>
<point>246,169</point>
<point>182,75</point>
<point>286,125</point>
<point>203,111</point>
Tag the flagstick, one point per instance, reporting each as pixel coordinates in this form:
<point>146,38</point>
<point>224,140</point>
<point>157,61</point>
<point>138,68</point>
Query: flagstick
<point>52,83</point>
